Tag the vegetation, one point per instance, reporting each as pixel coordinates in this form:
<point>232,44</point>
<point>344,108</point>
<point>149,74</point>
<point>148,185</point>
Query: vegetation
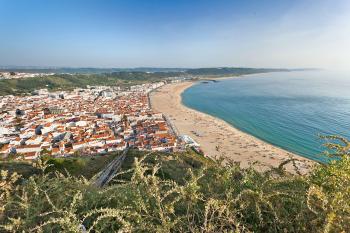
<point>175,166</point>
<point>68,81</point>
<point>23,168</point>
<point>116,78</point>
<point>203,197</point>
<point>86,166</point>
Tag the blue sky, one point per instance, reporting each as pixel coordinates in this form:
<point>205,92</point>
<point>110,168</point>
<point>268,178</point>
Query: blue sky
<point>178,33</point>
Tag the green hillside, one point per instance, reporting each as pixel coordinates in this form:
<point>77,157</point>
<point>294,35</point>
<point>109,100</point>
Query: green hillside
<point>120,78</point>
<point>68,82</point>
<point>184,192</point>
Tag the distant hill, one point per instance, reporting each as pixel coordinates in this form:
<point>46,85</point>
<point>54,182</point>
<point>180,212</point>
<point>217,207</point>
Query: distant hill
<point>93,70</point>
<point>67,82</point>
<point>69,78</point>
<point>230,71</point>
<point>86,70</point>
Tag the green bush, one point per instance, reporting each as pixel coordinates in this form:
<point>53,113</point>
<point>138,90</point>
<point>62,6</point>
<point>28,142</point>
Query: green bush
<point>213,198</point>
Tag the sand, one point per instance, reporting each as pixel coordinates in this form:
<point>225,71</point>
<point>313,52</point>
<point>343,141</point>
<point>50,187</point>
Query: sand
<point>217,138</point>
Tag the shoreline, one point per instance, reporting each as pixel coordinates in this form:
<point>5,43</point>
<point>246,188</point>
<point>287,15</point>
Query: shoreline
<point>217,138</point>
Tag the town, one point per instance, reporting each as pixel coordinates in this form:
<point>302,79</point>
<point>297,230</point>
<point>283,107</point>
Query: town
<point>21,75</point>
<point>93,120</point>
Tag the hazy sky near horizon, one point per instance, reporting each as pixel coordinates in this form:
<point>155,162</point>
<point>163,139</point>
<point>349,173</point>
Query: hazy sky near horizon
<point>178,33</point>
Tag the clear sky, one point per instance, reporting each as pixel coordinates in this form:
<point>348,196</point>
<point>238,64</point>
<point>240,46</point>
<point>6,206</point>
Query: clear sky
<point>177,33</point>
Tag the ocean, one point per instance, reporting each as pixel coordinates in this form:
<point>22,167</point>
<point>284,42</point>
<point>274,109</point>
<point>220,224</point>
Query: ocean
<point>287,109</point>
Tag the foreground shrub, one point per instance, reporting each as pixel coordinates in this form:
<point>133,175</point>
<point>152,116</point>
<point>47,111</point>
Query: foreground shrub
<point>212,199</point>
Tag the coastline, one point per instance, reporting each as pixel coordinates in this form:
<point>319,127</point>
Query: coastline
<point>217,138</point>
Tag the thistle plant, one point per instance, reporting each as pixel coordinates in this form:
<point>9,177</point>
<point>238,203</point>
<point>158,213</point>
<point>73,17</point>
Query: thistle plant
<point>208,198</point>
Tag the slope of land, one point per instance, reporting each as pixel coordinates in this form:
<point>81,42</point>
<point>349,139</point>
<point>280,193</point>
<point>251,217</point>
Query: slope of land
<point>70,81</point>
<point>122,78</point>
<point>86,166</point>
<point>180,193</point>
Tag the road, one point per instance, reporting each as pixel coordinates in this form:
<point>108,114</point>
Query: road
<point>107,174</point>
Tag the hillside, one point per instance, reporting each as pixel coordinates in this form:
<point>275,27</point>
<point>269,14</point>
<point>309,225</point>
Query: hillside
<point>173,166</point>
<point>184,192</point>
<point>68,82</point>
<point>115,78</point>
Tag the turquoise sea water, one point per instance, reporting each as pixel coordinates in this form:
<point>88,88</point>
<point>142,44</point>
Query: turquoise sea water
<point>286,109</point>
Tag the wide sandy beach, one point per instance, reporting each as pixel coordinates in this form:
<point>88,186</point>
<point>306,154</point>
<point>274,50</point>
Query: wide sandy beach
<point>216,137</point>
